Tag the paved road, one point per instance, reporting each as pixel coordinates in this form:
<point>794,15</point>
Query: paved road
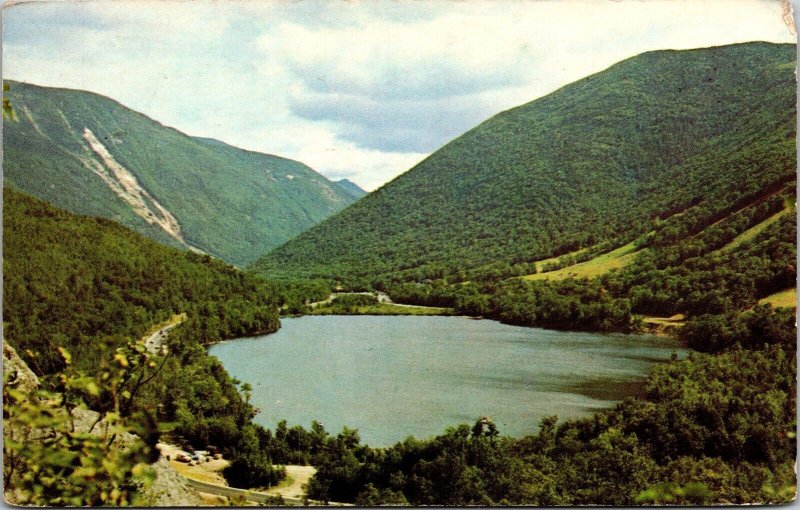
<point>258,497</point>
<point>154,342</point>
<point>380,296</point>
<point>337,294</point>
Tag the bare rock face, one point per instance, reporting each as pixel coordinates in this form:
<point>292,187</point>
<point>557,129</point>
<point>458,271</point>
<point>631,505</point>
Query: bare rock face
<point>168,489</point>
<point>16,372</point>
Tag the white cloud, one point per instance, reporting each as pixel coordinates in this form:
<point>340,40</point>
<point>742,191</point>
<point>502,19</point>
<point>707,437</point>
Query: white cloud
<point>361,90</point>
<point>449,56</point>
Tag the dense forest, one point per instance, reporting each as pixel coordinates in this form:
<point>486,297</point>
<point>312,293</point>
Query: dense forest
<point>89,286</point>
<point>594,163</point>
<point>725,268</point>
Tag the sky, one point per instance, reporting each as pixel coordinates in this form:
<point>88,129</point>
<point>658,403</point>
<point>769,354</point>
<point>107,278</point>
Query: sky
<point>361,90</point>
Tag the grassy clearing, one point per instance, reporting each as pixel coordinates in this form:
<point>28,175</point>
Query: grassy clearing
<point>541,263</point>
<point>675,320</point>
<point>380,309</point>
<point>197,473</point>
<point>753,231</point>
<point>663,326</point>
<point>293,486</point>
<point>785,298</point>
<point>597,266</point>
<point>286,482</point>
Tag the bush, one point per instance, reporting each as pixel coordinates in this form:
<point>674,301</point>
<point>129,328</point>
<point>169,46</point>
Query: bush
<point>352,300</point>
<point>253,470</point>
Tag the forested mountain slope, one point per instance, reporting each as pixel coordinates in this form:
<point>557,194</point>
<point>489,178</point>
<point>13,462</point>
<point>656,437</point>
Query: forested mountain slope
<point>75,282</point>
<point>597,164</point>
<point>91,155</point>
<point>91,286</point>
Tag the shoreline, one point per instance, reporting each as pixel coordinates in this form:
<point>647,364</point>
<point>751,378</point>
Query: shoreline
<point>639,345</point>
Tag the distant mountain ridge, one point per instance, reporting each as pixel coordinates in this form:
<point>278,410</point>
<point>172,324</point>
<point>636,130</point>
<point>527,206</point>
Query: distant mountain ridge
<point>91,155</point>
<point>351,187</point>
<point>593,164</point>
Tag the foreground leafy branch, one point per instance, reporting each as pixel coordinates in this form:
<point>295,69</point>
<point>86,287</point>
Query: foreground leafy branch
<point>59,453</point>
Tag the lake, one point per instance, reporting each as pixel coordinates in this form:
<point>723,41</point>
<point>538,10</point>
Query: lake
<point>391,377</point>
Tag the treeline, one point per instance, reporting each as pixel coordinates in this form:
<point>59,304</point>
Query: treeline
<point>697,275</point>
<point>720,224</point>
<point>90,286</point>
<point>714,428</point>
<point>670,243</point>
<point>714,282</point>
<point>569,304</point>
<point>751,329</point>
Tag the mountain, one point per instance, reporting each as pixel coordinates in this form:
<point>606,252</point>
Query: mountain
<point>91,155</point>
<point>351,187</point>
<point>590,167</point>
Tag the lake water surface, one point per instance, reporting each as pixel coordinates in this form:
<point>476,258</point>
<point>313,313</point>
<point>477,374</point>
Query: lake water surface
<point>391,377</point>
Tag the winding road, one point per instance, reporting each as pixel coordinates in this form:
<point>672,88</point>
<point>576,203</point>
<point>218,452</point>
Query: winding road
<point>258,497</point>
<point>154,342</point>
<point>380,296</point>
